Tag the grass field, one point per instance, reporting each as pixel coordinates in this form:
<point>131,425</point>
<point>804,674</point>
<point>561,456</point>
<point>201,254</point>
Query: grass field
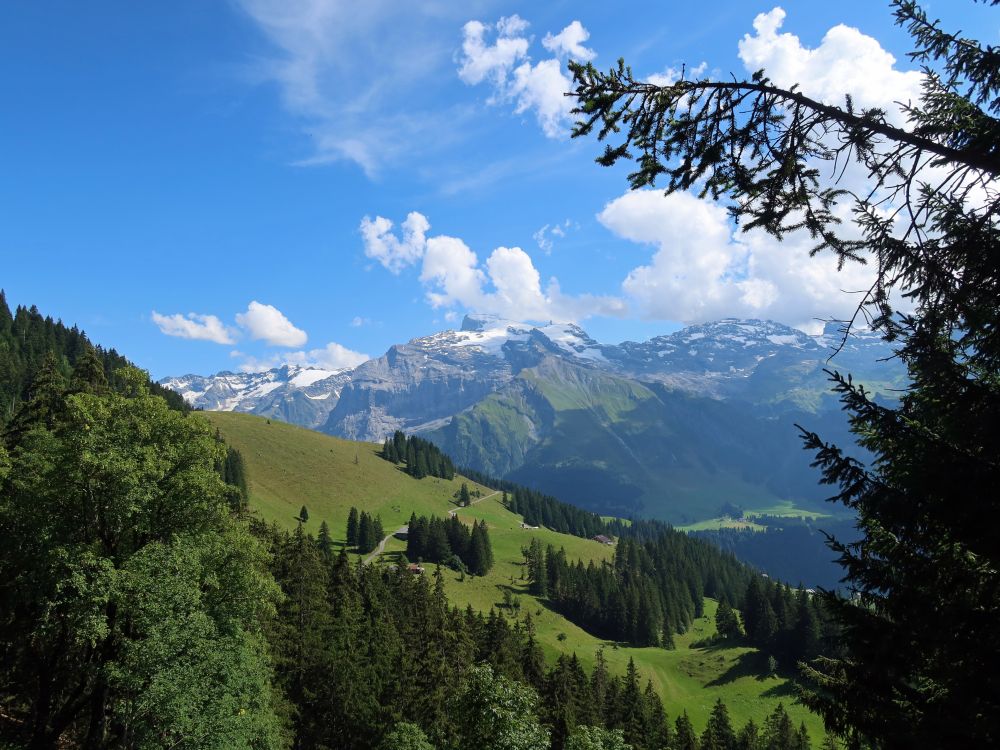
<point>289,467</point>
<point>755,518</point>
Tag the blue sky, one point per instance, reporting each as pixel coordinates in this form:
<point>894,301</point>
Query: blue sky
<point>210,185</point>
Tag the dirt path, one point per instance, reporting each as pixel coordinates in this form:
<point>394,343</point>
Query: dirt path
<point>381,546</point>
<point>473,502</point>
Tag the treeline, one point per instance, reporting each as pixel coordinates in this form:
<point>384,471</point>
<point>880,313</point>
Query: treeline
<point>363,530</point>
<point>422,457</point>
<point>651,591</point>
<point>790,624</point>
<point>450,542</point>
<point>540,509</point>
<point>373,657</point>
<point>28,339</point>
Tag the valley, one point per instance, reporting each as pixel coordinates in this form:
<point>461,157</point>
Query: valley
<point>289,467</point>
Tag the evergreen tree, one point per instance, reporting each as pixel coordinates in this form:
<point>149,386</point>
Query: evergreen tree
<point>463,497</point>
<point>324,542</point>
<point>718,734</point>
<point>353,529</point>
<point>727,621</point>
<point>303,514</point>
<point>779,732</point>
<point>749,737</point>
<point>366,534</point>
<point>684,736</point>
<point>88,373</point>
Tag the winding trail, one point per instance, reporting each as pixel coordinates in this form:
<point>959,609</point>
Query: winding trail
<point>381,545</point>
<point>473,502</point>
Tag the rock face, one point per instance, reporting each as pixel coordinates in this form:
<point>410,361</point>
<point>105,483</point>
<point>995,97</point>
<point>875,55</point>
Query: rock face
<point>421,385</point>
<point>669,427</point>
<point>300,395</point>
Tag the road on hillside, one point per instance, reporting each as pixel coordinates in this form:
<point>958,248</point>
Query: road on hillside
<point>473,502</point>
<point>381,545</point>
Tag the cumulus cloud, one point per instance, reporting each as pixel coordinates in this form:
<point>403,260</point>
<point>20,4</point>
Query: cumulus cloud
<point>395,254</point>
<point>507,284</point>
<point>845,62</point>
<point>569,43</point>
<point>482,61</point>
<point>333,356</point>
<point>194,326</point>
<point>702,269</point>
<point>505,63</point>
<point>268,323</point>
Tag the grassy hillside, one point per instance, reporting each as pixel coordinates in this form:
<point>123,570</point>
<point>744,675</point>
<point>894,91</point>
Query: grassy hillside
<point>289,466</point>
<point>618,446</point>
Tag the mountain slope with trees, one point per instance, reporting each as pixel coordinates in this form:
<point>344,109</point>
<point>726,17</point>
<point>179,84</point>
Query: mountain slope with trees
<point>288,465</point>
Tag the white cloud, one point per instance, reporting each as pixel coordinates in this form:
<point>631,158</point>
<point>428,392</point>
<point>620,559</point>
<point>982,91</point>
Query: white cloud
<point>507,284</point>
<point>569,42</point>
<point>702,270</point>
<point>845,62</point>
<point>357,321</point>
<point>452,272</point>
<point>268,323</point>
<point>481,61</point>
<point>544,243</point>
<point>395,254</point>
<point>543,87</point>
<point>532,87</point>
<point>333,356</point>
<point>672,75</point>
<point>356,76</point>
<point>194,326</point>
<point>543,237</point>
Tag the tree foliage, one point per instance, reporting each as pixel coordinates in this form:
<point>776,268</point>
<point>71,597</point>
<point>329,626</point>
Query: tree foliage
<point>104,494</point>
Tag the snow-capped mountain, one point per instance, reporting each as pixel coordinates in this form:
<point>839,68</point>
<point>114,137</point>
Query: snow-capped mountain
<point>422,384</point>
<point>301,395</point>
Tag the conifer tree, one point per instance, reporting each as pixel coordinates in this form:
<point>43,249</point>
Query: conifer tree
<point>88,373</point>
<point>324,542</point>
<point>684,736</point>
<point>749,737</point>
<point>726,621</point>
<point>718,734</point>
<point>366,534</point>
<point>303,514</point>
<point>352,527</point>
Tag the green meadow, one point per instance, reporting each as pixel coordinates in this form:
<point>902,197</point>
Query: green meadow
<point>289,467</point>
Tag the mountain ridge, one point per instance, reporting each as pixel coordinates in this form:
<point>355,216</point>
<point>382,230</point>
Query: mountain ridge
<point>673,427</point>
